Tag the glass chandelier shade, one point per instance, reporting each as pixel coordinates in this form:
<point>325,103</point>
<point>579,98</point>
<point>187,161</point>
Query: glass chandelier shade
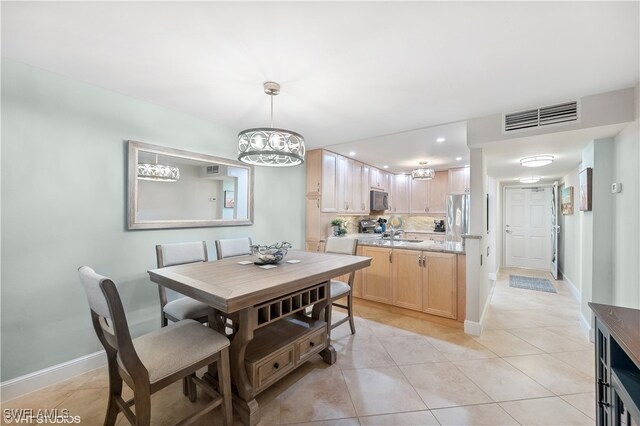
<point>422,172</point>
<point>269,146</point>
<point>158,172</point>
<point>536,161</point>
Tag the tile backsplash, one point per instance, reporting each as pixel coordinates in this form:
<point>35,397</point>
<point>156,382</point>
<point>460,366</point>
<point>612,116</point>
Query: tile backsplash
<point>411,223</point>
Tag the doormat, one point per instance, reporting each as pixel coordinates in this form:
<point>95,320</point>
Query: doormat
<point>530,283</point>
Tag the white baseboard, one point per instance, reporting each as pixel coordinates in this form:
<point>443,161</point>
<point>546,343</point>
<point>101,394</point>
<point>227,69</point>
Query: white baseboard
<point>472,327</point>
<point>492,276</point>
<point>31,382</point>
<point>574,289</point>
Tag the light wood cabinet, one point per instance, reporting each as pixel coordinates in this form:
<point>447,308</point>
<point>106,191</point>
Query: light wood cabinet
<point>314,172</point>
<point>374,178</point>
<point>343,187</point>
<point>400,191</point>
<point>438,190</point>
<point>313,222</point>
<point>459,181</point>
<point>357,200</point>
<point>329,200</point>
<point>376,279</point>
<point>440,291</point>
<point>366,188</point>
<point>419,196</point>
<point>386,181</point>
<point>407,279</point>
<point>356,290</point>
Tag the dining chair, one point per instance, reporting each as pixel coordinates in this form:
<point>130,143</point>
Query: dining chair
<point>173,305</point>
<point>339,289</point>
<point>155,360</point>
<point>233,247</point>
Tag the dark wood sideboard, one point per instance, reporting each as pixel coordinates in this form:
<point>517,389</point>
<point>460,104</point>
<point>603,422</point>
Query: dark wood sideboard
<point>617,338</point>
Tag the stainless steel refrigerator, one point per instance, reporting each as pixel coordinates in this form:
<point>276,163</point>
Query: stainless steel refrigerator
<point>457,216</point>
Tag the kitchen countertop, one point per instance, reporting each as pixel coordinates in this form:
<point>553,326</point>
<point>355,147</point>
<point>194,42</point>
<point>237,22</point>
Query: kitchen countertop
<point>374,240</point>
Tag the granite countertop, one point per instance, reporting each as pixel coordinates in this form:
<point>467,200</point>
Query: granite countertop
<point>374,240</point>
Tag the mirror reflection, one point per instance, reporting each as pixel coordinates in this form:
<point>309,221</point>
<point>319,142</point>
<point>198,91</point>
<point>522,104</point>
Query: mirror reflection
<point>171,188</point>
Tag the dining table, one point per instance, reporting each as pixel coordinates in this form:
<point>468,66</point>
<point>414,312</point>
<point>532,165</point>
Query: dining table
<point>263,309</point>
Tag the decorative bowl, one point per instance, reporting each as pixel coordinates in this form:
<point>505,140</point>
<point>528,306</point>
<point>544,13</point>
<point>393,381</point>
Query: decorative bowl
<point>270,254</point>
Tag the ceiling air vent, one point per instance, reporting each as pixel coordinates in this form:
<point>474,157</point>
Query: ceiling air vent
<point>544,116</point>
<point>213,170</point>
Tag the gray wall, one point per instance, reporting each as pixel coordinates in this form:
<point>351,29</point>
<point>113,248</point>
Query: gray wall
<point>64,203</point>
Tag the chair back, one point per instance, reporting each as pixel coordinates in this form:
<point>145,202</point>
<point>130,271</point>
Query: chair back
<point>341,245</point>
<point>110,322</point>
<point>178,254</point>
<point>233,247</point>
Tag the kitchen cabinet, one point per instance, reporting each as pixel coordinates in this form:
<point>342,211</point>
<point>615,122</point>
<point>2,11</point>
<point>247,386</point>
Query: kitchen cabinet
<point>343,187</point>
<point>401,185</point>
<point>440,290</point>
<point>356,289</point>
<point>374,178</point>
<point>438,190</point>
<point>459,181</point>
<point>376,279</point>
<point>407,279</point>
<point>429,196</point>
<point>313,224</point>
<point>314,172</point>
<point>328,188</point>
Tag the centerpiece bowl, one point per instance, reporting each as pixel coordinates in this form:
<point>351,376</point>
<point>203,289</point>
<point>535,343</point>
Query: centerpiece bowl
<point>270,254</point>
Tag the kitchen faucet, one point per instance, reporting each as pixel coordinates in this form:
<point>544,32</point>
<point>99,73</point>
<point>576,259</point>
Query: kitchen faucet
<point>395,232</point>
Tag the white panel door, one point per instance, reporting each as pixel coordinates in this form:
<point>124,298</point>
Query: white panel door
<point>527,227</point>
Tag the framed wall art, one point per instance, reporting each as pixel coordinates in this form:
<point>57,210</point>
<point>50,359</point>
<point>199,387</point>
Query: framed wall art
<point>229,199</point>
<point>585,178</point>
<point>567,200</point>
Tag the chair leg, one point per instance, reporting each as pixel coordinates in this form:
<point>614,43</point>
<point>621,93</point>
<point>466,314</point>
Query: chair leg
<point>142,406</point>
<point>115,390</point>
<point>193,391</point>
<point>224,384</point>
<point>350,313</point>
<point>185,386</point>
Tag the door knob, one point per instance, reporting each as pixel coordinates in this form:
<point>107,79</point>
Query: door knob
<point>508,231</point>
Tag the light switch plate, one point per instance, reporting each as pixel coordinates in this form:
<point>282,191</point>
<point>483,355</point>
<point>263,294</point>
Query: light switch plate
<point>616,188</point>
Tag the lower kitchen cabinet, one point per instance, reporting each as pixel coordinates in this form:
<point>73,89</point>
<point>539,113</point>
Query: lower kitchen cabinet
<point>440,289</point>
<point>376,279</point>
<point>356,289</point>
<point>407,279</point>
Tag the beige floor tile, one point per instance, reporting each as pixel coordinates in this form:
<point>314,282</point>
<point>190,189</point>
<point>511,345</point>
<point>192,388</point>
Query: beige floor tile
<point>583,361</point>
<point>545,411</point>
<point>413,418</point>
<point>585,402</point>
<point>411,350</point>
<point>460,347</point>
<point>89,404</point>
<point>553,374</point>
<point>549,341</point>
<point>382,330</point>
<point>381,391</point>
<point>362,350</point>
<point>319,394</point>
<point>487,414</point>
<point>337,422</point>
<point>442,385</point>
<point>572,332</point>
<point>503,343</point>
<point>500,380</point>
<point>39,400</point>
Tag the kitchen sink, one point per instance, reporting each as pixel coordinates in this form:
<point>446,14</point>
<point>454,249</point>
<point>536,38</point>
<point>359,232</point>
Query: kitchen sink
<point>403,240</point>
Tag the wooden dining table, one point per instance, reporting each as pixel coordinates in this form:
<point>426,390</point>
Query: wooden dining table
<point>265,309</point>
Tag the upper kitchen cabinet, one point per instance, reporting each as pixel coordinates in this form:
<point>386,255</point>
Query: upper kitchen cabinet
<point>379,179</point>
<point>329,199</point>
<point>314,172</point>
<point>400,190</point>
<point>419,196</point>
<point>459,181</point>
<point>438,190</point>
<point>359,188</point>
<point>343,184</point>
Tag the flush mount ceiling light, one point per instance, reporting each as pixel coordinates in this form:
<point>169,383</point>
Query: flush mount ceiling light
<point>536,161</point>
<point>352,153</point>
<point>440,140</point>
<point>422,172</point>
<point>531,179</point>
<point>158,172</point>
<point>268,146</point>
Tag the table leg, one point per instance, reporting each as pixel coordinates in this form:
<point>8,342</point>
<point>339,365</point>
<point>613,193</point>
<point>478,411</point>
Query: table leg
<point>244,403</point>
<point>328,354</point>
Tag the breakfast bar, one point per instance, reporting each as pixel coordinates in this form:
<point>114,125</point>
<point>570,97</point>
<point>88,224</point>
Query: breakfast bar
<point>271,334</point>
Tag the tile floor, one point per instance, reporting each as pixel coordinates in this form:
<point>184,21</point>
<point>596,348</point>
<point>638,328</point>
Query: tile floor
<point>533,365</point>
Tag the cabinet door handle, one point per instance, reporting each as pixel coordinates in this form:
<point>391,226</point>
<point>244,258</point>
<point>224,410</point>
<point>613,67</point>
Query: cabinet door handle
<point>318,203</point>
<point>390,260</point>
<point>318,186</point>
<point>276,365</point>
<point>312,344</point>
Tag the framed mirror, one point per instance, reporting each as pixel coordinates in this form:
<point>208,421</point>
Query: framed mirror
<point>170,188</point>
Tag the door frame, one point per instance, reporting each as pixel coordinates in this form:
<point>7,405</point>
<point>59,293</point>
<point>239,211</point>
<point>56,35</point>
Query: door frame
<point>503,213</point>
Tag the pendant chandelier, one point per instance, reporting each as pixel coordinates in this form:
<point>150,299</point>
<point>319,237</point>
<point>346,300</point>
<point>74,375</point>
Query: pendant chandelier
<point>422,172</point>
<point>158,172</point>
<point>268,146</point>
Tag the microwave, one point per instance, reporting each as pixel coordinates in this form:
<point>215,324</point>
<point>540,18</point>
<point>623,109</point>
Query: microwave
<point>379,201</point>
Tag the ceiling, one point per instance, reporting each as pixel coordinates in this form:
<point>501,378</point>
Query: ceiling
<point>350,71</point>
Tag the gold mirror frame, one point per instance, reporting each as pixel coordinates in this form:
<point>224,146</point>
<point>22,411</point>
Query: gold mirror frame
<point>134,220</point>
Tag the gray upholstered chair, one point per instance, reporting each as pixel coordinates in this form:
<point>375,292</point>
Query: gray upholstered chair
<point>155,360</point>
<point>173,305</point>
<point>233,247</point>
<point>339,289</point>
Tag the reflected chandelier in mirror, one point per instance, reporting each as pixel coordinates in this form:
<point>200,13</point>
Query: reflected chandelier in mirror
<point>171,188</point>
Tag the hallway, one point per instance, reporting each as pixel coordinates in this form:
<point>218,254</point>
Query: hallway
<point>533,365</point>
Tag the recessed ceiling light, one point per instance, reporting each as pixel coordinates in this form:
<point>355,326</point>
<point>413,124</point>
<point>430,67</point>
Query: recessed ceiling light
<point>385,166</point>
<point>440,140</point>
<point>458,158</point>
<point>352,153</point>
<point>537,161</point>
<point>531,179</point>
